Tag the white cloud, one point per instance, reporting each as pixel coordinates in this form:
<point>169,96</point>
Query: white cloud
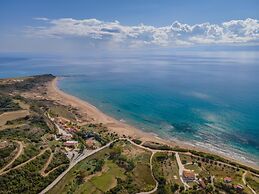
<point>177,34</point>
<point>42,19</point>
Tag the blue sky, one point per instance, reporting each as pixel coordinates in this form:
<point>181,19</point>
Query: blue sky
<point>151,12</point>
<point>17,20</point>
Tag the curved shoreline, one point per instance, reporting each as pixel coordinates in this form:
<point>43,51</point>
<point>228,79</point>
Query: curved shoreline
<point>122,128</point>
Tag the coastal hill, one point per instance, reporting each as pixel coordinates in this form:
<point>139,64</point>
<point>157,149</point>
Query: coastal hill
<point>51,142</point>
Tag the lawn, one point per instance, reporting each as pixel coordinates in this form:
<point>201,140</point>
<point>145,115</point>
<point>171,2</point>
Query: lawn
<point>108,179</point>
<point>194,167</point>
<point>185,158</point>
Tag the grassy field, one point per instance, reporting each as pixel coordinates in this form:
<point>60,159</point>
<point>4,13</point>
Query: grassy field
<point>123,165</point>
<point>224,171</point>
<point>70,181</point>
<point>185,158</point>
<point>253,181</point>
<point>61,111</point>
<point>193,167</point>
<point>107,179</point>
<point>22,104</point>
<point>165,168</point>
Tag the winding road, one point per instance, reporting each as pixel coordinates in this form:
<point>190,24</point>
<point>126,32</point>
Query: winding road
<point>20,150</point>
<point>151,168</point>
<point>42,172</point>
<point>88,153</point>
<point>26,162</point>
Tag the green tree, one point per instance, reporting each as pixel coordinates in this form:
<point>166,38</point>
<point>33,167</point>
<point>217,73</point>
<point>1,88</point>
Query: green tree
<point>174,187</point>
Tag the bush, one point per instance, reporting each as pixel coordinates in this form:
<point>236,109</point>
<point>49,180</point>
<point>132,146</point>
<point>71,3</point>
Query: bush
<point>137,141</point>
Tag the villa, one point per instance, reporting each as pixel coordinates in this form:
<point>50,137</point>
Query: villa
<point>188,176</point>
<point>67,137</point>
<point>90,143</point>
<point>72,144</point>
<point>227,180</point>
<point>239,187</point>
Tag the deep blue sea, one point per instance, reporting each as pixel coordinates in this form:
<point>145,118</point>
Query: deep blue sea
<point>207,99</point>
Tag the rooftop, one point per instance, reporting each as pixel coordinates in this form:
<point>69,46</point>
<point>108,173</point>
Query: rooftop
<point>188,174</point>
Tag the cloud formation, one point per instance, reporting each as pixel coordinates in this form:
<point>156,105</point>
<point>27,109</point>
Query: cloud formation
<point>177,34</point>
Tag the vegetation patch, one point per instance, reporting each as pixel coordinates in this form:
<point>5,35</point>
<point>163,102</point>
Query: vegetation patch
<point>253,181</point>
<point>166,172</point>
<point>6,153</point>
<point>30,151</point>
<point>58,159</point>
<point>8,104</point>
<point>27,178</point>
<point>114,168</point>
<point>156,146</point>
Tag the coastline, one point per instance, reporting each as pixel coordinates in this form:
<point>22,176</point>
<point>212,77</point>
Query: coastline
<point>121,128</point>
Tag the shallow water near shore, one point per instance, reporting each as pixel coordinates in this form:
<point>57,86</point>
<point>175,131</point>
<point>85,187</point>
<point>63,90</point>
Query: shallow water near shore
<point>211,101</point>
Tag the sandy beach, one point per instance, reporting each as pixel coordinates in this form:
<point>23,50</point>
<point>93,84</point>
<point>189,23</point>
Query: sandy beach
<point>87,110</point>
<point>90,111</point>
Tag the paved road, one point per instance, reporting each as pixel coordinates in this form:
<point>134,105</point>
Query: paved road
<point>72,164</point>
<point>89,153</point>
<point>181,168</point>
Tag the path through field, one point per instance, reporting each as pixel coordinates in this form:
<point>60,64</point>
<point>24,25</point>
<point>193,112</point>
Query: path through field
<point>20,150</point>
<point>26,162</point>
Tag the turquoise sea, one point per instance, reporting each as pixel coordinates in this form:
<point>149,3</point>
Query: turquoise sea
<point>207,99</point>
